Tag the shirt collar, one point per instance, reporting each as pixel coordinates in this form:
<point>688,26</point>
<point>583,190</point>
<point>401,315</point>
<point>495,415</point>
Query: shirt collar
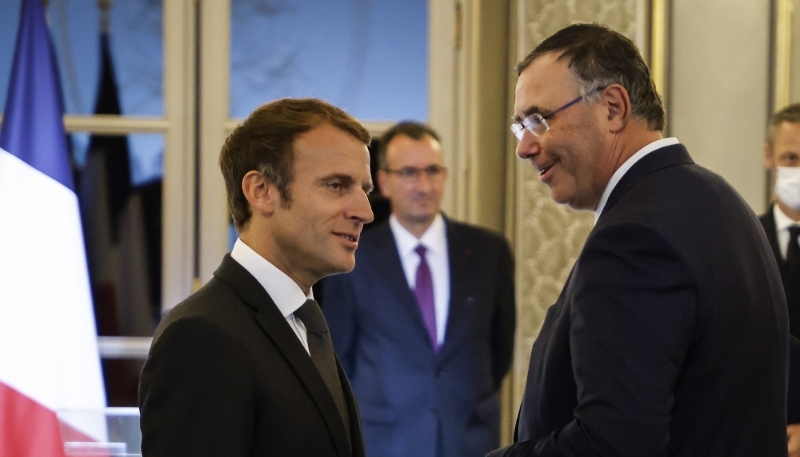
<point>782,221</point>
<point>286,294</point>
<point>434,239</point>
<point>612,183</point>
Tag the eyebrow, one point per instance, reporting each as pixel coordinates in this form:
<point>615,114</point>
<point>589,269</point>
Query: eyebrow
<point>527,112</point>
<point>346,180</point>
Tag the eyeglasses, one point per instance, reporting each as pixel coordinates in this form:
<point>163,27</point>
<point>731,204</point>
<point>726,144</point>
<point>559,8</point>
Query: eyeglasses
<point>537,124</point>
<point>413,173</point>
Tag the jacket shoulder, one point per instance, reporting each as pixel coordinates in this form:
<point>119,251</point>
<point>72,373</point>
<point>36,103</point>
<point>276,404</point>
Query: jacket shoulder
<point>474,232</point>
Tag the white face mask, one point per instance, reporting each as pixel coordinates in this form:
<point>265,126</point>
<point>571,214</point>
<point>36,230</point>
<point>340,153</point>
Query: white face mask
<point>787,186</point>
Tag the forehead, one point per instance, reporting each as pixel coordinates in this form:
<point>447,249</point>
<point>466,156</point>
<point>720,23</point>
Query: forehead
<point>788,136</point>
<point>543,85</point>
<point>403,150</point>
<point>328,149</point>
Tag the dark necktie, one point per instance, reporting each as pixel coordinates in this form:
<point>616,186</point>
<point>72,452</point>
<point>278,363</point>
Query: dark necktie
<point>423,290</point>
<point>793,251</point>
<point>321,348</point>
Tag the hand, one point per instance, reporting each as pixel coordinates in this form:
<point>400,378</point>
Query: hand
<point>793,435</point>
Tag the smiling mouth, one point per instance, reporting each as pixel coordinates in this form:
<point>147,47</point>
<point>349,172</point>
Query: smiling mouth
<point>347,237</point>
<point>543,170</point>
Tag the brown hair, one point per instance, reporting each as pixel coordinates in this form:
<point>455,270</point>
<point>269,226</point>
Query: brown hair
<point>599,56</point>
<point>790,114</point>
<point>264,142</point>
<point>411,129</point>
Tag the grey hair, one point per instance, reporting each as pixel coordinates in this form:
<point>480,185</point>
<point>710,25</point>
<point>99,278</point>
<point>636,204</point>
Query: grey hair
<point>599,56</point>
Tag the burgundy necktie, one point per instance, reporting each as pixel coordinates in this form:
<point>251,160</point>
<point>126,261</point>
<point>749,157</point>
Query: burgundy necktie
<point>423,290</point>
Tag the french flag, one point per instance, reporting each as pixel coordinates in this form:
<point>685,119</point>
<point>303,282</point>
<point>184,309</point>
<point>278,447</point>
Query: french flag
<point>49,360</point>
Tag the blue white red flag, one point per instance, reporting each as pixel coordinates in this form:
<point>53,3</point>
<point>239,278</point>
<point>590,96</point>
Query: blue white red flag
<point>49,362</point>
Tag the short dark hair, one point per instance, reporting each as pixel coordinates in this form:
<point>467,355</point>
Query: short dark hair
<point>599,56</point>
<point>265,142</point>
<point>790,114</point>
<point>412,129</point>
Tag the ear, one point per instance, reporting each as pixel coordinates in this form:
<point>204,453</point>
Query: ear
<point>616,100</point>
<point>261,193</point>
<point>769,159</point>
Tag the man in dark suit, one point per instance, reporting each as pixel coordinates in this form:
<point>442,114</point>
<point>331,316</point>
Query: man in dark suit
<point>782,226</point>
<point>245,367</point>
<point>425,323</point>
<point>669,337</point>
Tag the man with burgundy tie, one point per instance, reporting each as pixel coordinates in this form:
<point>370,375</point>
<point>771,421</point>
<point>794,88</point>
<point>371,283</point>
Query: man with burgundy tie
<point>782,226</point>
<point>424,325</point>
<point>245,366</point>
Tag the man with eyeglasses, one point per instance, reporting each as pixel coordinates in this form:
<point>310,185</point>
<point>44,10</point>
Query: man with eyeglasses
<point>669,337</point>
<point>424,325</point>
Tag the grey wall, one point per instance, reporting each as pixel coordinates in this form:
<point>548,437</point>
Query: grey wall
<point>719,97</point>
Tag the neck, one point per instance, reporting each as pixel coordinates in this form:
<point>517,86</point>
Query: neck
<point>633,143</point>
<point>791,212</point>
<point>262,246</point>
<point>417,228</point>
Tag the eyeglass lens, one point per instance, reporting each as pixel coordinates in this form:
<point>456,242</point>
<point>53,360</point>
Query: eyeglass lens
<point>431,171</point>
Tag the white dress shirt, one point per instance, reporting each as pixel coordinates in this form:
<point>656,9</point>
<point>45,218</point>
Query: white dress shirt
<point>612,183</point>
<point>286,294</point>
<point>782,224</point>
<point>435,241</point>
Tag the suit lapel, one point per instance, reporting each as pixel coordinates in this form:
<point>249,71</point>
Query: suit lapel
<point>660,158</point>
<point>357,438</point>
<point>768,221</point>
<point>461,261</point>
<point>386,259</point>
<point>274,324</point>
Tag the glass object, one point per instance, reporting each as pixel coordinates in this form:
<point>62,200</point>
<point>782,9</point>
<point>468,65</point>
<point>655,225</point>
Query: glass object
<point>434,172</point>
<point>136,38</point>
<point>120,198</point>
<point>110,432</point>
<point>537,124</point>
<point>369,57</point>
<point>9,21</point>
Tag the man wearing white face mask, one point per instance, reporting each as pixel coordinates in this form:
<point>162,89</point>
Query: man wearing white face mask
<point>782,226</point>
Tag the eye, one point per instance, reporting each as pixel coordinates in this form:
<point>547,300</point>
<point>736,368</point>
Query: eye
<point>788,158</point>
<point>434,170</point>
<point>336,185</point>
<point>407,172</point>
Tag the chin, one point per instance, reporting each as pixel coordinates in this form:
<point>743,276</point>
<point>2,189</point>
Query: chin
<point>338,269</point>
<point>560,199</point>
<point>345,266</point>
<point>424,217</point>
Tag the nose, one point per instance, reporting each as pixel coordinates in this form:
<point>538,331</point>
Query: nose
<point>528,146</point>
<point>423,183</point>
<point>361,210</point>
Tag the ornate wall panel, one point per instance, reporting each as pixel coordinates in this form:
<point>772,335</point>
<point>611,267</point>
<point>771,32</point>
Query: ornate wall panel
<point>548,237</point>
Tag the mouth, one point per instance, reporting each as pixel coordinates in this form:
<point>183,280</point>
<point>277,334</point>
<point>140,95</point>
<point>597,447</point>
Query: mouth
<point>543,170</point>
<point>349,237</point>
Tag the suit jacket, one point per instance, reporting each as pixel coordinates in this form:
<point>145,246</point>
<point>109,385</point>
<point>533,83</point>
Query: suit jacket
<point>226,375</point>
<point>410,397</point>
<point>791,286</point>
<point>670,335</point>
